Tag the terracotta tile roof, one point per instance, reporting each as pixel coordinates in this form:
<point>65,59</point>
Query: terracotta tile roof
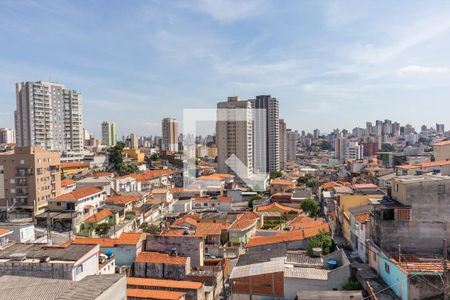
<point>160,258</point>
<point>304,222</point>
<point>425,165</point>
<point>79,193</point>
<point>4,232</point>
<point>275,206</point>
<point>122,200</point>
<point>130,238</point>
<point>165,283</point>
<point>282,182</point>
<point>75,164</point>
<point>149,175</point>
<point>154,294</point>
<point>100,216</point>
<point>216,177</point>
<point>125,238</point>
<point>442,143</point>
<point>365,186</point>
<point>186,219</point>
<point>160,191</point>
<point>101,174</point>
<point>67,181</point>
<point>172,232</point>
<point>330,185</point>
<point>362,218</point>
<point>205,229</point>
<point>245,220</point>
<point>414,264</point>
<point>285,237</point>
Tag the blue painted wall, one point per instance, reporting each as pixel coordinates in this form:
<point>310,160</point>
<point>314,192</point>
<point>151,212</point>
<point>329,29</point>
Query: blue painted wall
<point>125,254</point>
<point>396,279</point>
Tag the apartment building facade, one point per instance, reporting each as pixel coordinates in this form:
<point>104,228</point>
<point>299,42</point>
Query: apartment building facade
<point>234,131</point>
<point>170,134</point>
<point>28,179</point>
<point>109,135</point>
<point>48,116</point>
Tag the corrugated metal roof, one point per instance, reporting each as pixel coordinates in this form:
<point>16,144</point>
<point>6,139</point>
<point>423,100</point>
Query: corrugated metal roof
<point>257,269</point>
<point>306,273</point>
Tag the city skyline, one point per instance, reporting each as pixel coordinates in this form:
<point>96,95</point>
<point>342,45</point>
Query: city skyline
<point>192,55</point>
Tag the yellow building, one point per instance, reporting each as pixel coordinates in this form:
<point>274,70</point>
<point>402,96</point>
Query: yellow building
<point>441,150</point>
<point>349,201</point>
<point>73,168</point>
<point>134,154</point>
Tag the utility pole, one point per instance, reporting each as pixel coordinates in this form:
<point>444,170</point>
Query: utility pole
<point>445,273</point>
<point>49,229</point>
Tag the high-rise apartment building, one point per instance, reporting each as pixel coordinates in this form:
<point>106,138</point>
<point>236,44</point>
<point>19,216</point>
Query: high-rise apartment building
<point>170,134</point>
<point>48,116</point>
<point>283,144</point>
<point>234,135</point>
<point>292,138</point>
<point>440,128</point>
<point>316,134</point>
<point>28,178</point>
<point>134,141</point>
<point>7,136</point>
<point>266,124</point>
<point>109,135</point>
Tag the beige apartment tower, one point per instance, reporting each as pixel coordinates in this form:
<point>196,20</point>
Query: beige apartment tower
<point>170,134</point>
<point>234,135</point>
<point>48,116</point>
<point>28,178</point>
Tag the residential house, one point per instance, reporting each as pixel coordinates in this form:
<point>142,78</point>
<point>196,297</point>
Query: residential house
<point>74,168</point>
<point>193,290</point>
<point>92,287</point>
<point>222,203</point>
<point>4,237</point>
<point>243,229</point>
<point>281,186</point>
<point>70,262</point>
<point>125,184</point>
<point>20,232</point>
<point>125,248</point>
<point>162,265</point>
<point>67,185</point>
<point>67,211</point>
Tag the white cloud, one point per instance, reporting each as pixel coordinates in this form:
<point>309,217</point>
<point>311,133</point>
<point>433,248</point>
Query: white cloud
<point>226,10</point>
<point>414,69</point>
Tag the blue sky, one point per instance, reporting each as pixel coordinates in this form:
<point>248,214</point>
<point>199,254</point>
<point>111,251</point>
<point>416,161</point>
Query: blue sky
<point>332,64</point>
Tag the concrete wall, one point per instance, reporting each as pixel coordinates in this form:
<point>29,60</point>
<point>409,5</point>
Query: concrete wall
<point>162,271</point>
<point>89,267</point>
<point>395,278</point>
<point>263,285</point>
<point>42,270</point>
<point>186,246</point>
<point>124,254</point>
<point>21,233</point>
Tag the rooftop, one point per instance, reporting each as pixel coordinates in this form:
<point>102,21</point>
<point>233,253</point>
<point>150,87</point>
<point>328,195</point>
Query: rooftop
<point>257,269</point>
<point>89,288</point>
<point>75,164</point>
<point>79,193</point>
<point>275,206</point>
<point>160,258</point>
<point>4,232</point>
<point>282,182</point>
<point>126,238</point>
<point>67,181</point>
<point>286,237</point>
<point>99,216</point>
<point>122,200</point>
<point>37,251</point>
<point>166,283</point>
<point>154,294</point>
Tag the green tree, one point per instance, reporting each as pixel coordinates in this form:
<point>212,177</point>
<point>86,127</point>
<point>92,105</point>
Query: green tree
<point>385,147</point>
<point>307,180</point>
<point>310,207</point>
<point>150,228</point>
<point>326,146</point>
<point>102,229</point>
<point>116,162</point>
<point>322,240</point>
<point>352,285</point>
<point>250,202</point>
<point>275,174</point>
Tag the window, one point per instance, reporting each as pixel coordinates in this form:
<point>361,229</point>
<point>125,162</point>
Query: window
<point>374,256</point>
<point>441,189</point>
<point>22,162</point>
<point>403,214</point>
<point>58,203</point>
<point>79,269</point>
<point>12,181</point>
<point>386,267</point>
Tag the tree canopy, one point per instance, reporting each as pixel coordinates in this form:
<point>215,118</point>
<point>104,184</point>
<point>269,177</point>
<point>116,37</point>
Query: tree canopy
<point>310,207</point>
<point>116,162</point>
<point>322,240</point>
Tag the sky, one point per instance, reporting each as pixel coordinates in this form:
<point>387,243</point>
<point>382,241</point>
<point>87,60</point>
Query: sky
<point>331,64</point>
